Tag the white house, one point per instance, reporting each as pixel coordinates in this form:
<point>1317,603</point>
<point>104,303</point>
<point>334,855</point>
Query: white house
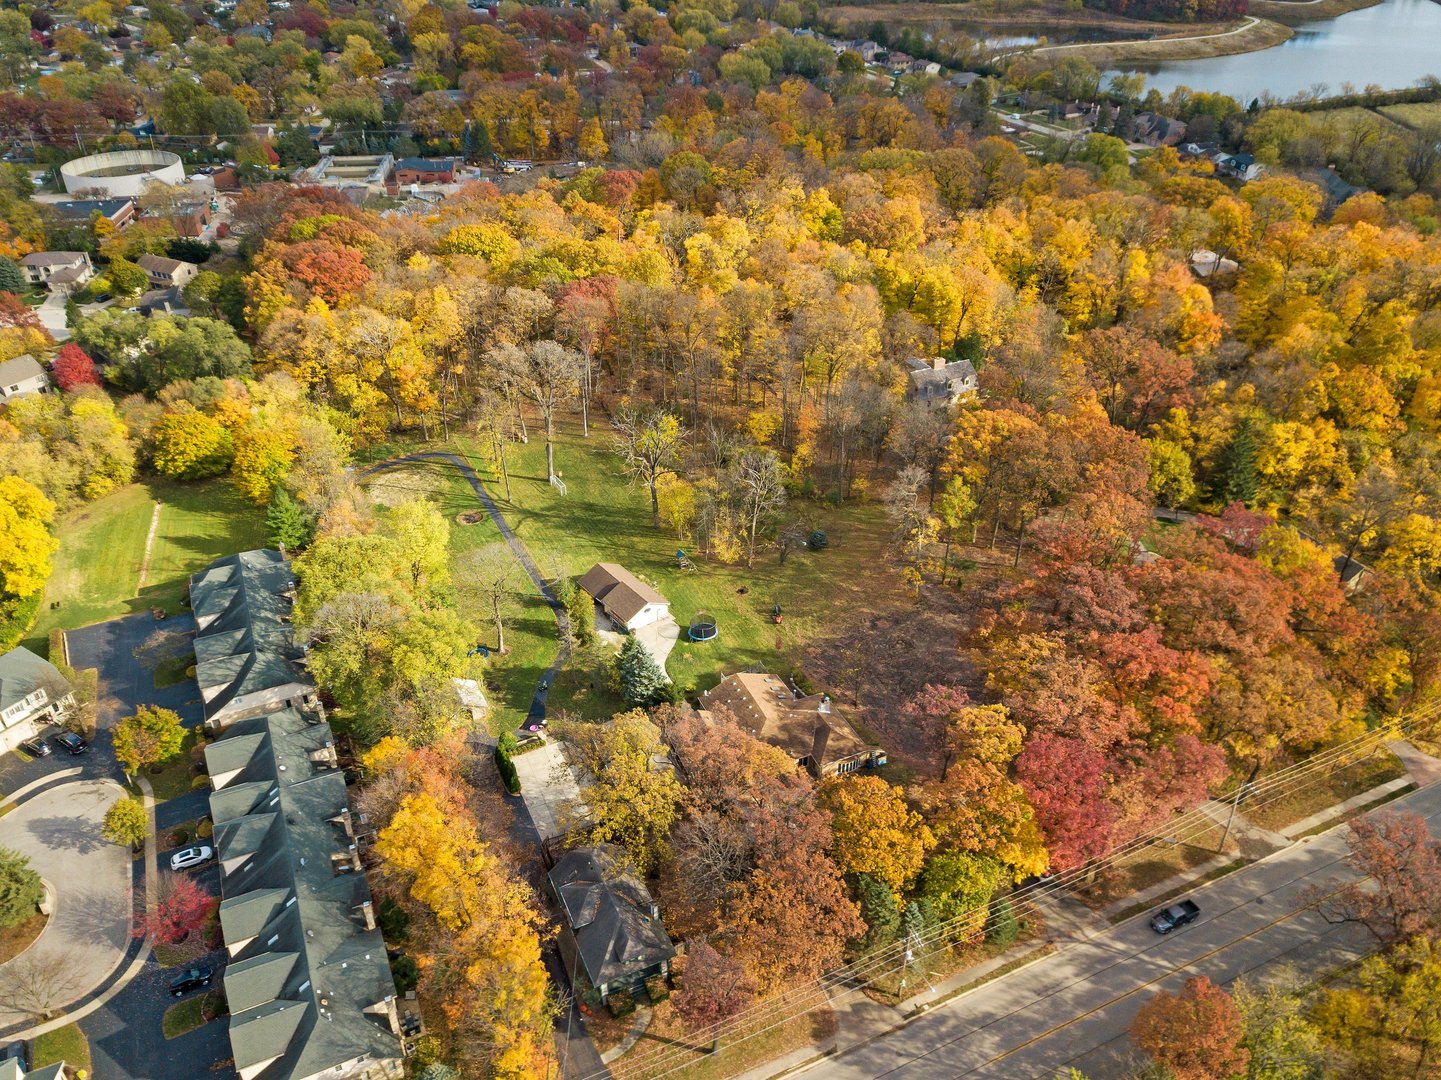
<point>622,598</point>
<point>22,375</point>
<point>59,271</point>
<point>167,273</point>
<point>33,694</point>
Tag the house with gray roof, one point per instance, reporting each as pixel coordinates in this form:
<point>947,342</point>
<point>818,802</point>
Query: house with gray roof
<point>246,659</point>
<point>307,980</point>
<point>59,271</point>
<point>33,695</point>
<point>22,375</point>
<point>614,926</point>
<point>938,384</point>
<point>11,1069</point>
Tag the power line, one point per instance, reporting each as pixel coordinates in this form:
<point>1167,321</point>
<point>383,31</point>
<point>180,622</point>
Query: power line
<point>866,971</point>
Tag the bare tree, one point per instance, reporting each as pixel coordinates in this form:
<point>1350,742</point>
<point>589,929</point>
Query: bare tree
<point>546,372</point>
<point>760,492</point>
<point>650,442</point>
<point>39,986</point>
<point>921,436</point>
<point>491,574</point>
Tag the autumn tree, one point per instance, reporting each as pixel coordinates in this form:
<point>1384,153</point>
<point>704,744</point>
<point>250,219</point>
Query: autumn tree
<point>716,989</point>
<point>1399,894</point>
<point>1195,1033</point>
<point>25,541</point>
<point>181,907</point>
<point>149,737</point>
<point>631,802</point>
<point>876,833</point>
<point>73,368</point>
<point>650,443</point>
<point>758,483</point>
<point>191,446</point>
<point>126,823</point>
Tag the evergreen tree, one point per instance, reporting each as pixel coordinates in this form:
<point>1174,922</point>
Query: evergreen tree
<point>20,888</point>
<point>12,278</point>
<point>286,521</point>
<point>484,146</point>
<point>1004,927</point>
<point>642,682</point>
<point>880,911</point>
<point>581,609</point>
<point>1236,479</point>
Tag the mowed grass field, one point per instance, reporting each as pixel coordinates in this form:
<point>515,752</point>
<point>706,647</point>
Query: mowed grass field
<point>97,569</point>
<point>1420,115</point>
<point>603,518</point>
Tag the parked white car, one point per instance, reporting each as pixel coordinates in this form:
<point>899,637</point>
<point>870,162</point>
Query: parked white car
<point>192,856</point>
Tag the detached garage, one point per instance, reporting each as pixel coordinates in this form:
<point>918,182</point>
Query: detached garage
<point>622,599</point>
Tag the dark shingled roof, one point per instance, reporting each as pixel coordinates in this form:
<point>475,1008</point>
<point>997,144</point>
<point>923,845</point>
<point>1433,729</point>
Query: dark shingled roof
<point>611,914</point>
<point>307,983</point>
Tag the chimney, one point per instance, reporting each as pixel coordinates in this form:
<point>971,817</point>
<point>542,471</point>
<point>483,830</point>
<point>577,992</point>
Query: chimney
<point>938,363</point>
<point>367,913</point>
<point>386,1006</point>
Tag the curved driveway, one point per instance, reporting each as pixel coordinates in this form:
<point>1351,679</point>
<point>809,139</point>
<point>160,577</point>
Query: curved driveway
<point>89,928</point>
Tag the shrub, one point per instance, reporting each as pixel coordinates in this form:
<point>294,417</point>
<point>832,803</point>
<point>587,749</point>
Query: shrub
<point>508,776</point>
<point>818,540</point>
<point>394,920</point>
<point>656,989</point>
<point>204,829</point>
<point>406,972</point>
<point>620,1004</point>
<point>198,782</point>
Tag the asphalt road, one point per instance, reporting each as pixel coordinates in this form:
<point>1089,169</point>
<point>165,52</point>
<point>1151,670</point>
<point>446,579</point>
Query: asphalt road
<point>1073,1008</point>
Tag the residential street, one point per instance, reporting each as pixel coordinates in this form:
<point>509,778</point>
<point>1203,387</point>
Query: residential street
<point>1073,1008</point>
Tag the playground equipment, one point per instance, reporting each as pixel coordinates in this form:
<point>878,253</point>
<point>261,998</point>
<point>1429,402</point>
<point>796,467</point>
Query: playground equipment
<point>682,560</point>
<point>702,627</point>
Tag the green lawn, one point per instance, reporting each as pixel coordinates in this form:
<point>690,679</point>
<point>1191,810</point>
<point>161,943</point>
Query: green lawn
<point>176,777</point>
<point>191,1013</point>
<point>102,550</point>
<point>67,1044</point>
<point>602,518</point>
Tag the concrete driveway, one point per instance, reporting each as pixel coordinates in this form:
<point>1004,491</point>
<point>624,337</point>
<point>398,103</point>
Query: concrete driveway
<point>89,928</point>
<point>549,788</point>
<point>659,638</point>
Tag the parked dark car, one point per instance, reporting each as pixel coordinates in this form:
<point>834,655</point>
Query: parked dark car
<point>70,742</point>
<point>36,747</point>
<point>191,979</point>
<point>1175,917</point>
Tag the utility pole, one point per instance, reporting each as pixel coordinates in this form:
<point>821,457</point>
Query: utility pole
<point>1236,803</point>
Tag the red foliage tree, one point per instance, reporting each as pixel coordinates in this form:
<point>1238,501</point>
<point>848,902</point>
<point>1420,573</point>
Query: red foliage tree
<point>17,314</point>
<point>181,908</point>
<point>1196,1034</point>
<point>1065,781</point>
<point>931,710</point>
<point>1401,896</point>
<point>330,272</point>
<point>73,368</point>
<point>716,988</point>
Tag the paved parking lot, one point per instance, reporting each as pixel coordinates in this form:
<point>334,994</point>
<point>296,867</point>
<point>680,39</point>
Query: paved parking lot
<point>89,928</point>
<point>126,1037</point>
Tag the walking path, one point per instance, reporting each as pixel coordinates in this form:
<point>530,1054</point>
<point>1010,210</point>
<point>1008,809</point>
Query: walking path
<point>1251,21</point>
<point>562,620</point>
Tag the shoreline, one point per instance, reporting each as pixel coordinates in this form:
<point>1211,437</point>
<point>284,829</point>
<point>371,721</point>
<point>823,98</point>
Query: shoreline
<point>1269,23</point>
<point>1252,34</point>
<point>1295,12</point>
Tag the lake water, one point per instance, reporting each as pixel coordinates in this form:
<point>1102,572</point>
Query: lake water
<point>1393,45</point>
